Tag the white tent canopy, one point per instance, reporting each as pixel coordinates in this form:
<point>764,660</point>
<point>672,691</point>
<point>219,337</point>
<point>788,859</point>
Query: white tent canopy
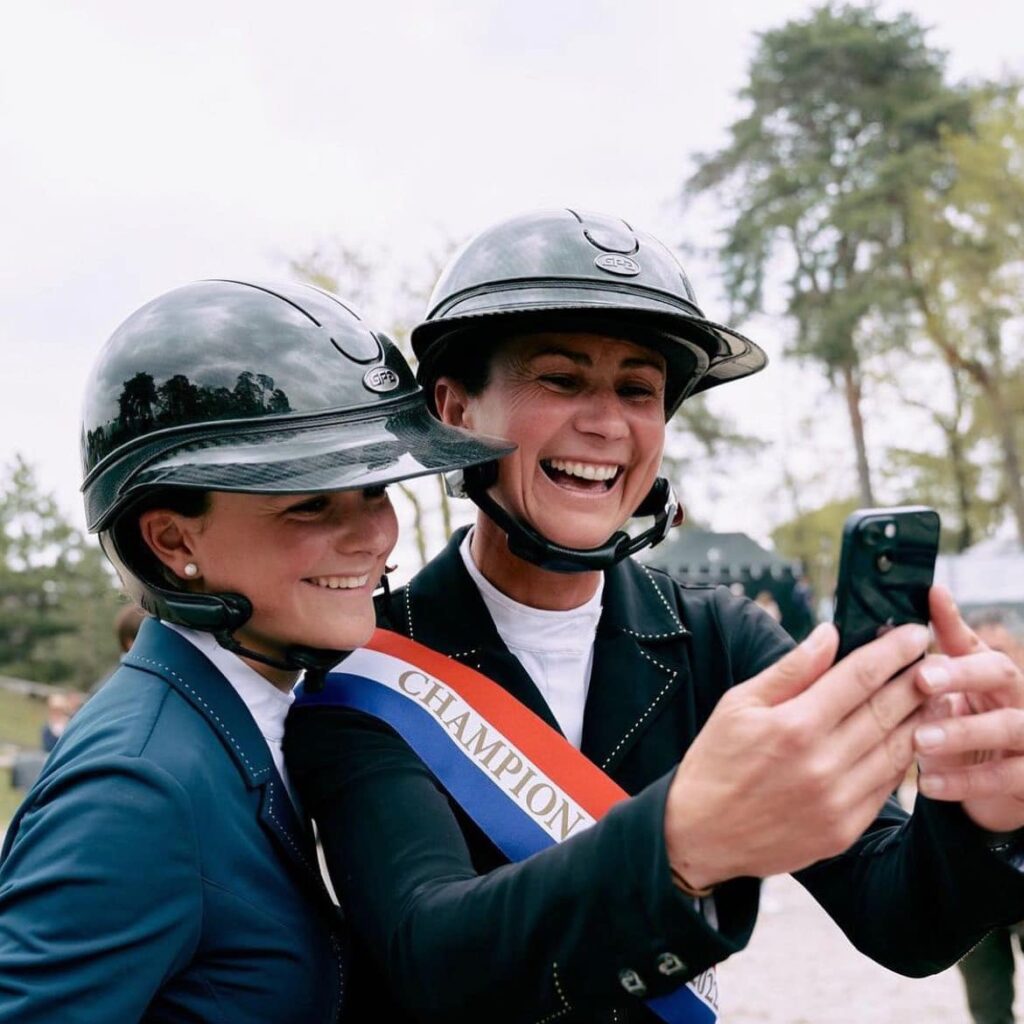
<point>989,573</point>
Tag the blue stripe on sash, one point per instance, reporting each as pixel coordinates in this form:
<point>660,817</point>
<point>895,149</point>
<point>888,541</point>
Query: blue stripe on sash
<point>508,827</point>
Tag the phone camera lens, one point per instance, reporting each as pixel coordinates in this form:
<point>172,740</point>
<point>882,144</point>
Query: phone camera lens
<point>883,562</point>
<point>890,530</point>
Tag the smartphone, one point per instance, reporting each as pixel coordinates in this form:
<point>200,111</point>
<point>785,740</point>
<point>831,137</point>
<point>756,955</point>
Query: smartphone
<point>885,571</point>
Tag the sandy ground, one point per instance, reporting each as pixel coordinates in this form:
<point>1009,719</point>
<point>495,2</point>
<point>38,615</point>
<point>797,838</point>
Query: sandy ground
<point>800,969</point>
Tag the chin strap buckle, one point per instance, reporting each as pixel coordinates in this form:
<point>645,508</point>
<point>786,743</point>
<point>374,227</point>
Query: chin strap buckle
<point>526,543</point>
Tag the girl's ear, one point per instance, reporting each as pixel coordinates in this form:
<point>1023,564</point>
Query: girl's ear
<point>167,536</point>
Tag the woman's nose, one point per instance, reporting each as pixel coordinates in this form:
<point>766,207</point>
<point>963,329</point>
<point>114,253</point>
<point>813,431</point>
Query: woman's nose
<point>601,413</point>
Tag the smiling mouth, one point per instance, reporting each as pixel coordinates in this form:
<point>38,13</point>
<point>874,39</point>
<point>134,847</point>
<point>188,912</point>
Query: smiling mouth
<point>585,477</point>
<point>338,582</point>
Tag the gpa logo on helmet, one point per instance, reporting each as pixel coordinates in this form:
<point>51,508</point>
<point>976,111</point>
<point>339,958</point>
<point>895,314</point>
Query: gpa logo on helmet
<point>380,379</point>
<point>616,263</point>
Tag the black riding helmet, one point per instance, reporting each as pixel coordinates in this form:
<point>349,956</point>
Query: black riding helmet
<point>558,270</point>
<point>564,270</point>
<point>232,386</point>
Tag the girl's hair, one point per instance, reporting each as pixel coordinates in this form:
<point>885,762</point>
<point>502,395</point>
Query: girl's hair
<point>186,501</point>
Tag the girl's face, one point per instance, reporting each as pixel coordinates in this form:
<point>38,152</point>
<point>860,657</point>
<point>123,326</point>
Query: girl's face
<point>308,562</point>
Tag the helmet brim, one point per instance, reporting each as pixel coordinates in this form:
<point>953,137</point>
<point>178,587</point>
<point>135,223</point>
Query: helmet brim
<point>312,457</point>
<point>727,354</point>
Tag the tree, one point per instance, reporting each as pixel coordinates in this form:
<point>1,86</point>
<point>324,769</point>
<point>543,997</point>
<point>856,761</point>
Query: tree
<point>962,262</point>
<point>57,598</point>
<point>846,111</point>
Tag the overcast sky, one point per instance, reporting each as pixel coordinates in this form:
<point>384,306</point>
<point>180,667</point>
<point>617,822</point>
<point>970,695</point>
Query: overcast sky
<point>143,146</point>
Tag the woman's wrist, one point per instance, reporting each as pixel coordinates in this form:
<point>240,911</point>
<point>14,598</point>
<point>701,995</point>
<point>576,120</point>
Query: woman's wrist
<point>681,883</point>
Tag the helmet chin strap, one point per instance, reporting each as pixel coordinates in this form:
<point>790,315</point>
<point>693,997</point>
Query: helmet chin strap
<point>526,543</point>
<point>314,661</point>
<point>221,615</point>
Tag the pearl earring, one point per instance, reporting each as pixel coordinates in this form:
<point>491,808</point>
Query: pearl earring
<point>191,569</point>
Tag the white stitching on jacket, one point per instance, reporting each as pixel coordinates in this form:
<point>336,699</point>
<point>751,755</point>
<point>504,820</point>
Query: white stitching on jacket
<point>650,707</point>
<point>408,610</point>
<point>227,732</point>
<point>657,590</point>
<point>561,995</point>
<point>284,831</point>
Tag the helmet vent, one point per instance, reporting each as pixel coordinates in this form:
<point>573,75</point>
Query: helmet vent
<point>611,240</point>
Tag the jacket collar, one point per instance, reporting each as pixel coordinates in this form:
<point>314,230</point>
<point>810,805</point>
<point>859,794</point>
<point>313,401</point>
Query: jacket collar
<point>634,671</point>
<point>442,608</point>
<point>163,652</point>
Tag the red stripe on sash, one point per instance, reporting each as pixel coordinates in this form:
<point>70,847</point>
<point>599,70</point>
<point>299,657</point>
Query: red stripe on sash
<point>543,745</point>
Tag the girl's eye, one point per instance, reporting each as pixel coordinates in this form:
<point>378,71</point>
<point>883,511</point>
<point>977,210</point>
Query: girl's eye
<point>375,492</point>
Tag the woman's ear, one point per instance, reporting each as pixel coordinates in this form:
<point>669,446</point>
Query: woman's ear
<point>169,538</point>
<point>452,402</point>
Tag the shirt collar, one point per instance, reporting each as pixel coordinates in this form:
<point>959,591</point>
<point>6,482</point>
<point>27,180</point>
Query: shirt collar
<point>266,703</point>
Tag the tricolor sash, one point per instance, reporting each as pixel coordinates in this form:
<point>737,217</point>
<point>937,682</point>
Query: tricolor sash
<point>519,779</point>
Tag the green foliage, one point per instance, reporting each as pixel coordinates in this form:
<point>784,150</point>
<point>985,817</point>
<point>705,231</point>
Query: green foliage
<point>21,719</point>
<point>963,265</point>
<point>57,598</point>
<point>814,539</point>
<point>10,799</point>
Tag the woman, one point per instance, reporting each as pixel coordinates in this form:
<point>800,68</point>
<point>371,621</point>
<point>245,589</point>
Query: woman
<point>237,442</point>
<point>577,337</point>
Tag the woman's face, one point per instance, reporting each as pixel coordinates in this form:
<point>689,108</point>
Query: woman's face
<point>588,414</point>
<point>308,563</point>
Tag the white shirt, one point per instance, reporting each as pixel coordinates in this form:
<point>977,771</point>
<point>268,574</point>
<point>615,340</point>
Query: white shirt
<point>266,703</point>
<point>555,647</point>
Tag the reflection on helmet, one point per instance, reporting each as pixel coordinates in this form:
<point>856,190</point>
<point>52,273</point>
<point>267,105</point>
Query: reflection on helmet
<point>568,270</point>
<point>142,407</point>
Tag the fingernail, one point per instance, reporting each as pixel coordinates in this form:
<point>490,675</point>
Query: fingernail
<point>818,637</point>
<point>935,678</point>
<point>931,785</point>
<point>922,635</point>
<point>929,736</point>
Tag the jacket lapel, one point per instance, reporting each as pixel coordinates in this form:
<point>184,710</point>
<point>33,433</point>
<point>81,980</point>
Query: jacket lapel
<point>637,668</point>
<point>442,608</point>
<point>160,651</point>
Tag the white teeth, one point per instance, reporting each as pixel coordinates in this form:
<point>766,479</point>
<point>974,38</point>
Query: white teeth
<point>586,470</point>
<point>340,582</point>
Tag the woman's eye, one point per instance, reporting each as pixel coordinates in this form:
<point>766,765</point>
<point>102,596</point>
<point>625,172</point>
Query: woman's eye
<point>639,391</point>
<point>309,507</point>
<point>375,492</point>
<point>559,380</point>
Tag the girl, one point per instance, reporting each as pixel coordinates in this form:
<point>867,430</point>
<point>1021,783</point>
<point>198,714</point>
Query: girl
<point>237,441</point>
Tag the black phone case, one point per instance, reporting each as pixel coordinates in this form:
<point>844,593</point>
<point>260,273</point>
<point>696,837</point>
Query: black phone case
<point>884,579</point>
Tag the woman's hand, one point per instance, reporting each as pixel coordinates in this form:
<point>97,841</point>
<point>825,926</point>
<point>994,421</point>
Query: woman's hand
<point>793,765</point>
<point>972,745</point>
